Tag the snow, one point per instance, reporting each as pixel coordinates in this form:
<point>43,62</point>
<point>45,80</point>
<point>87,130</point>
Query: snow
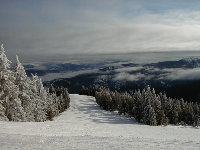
<point>85,126</point>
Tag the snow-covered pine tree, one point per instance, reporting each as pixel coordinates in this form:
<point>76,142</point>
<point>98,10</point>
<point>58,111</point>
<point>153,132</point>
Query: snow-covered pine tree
<point>25,99</point>
<point>13,109</point>
<point>137,106</point>
<point>149,116</point>
<point>4,74</point>
<point>21,78</point>
<point>160,116</point>
<point>148,107</point>
<point>197,114</point>
<point>25,94</point>
<point>2,107</point>
<point>40,99</point>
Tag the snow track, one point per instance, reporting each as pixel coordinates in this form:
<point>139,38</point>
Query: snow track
<point>85,126</point>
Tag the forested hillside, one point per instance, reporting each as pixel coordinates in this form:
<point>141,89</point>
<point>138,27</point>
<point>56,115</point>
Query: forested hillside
<point>147,107</point>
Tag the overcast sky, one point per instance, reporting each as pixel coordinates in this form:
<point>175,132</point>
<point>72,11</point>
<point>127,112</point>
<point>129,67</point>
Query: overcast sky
<point>98,26</point>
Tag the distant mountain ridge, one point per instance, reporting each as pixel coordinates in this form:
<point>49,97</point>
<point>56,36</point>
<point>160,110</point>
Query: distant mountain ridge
<point>125,76</point>
<point>183,63</point>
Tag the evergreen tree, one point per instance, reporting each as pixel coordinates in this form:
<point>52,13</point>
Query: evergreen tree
<point>23,99</point>
<point>25,93</point>
<point>160,116</point>
<point>13,109</point>
<point>2,107</point>
<point>148,107</point>
<point>196,115</point>
<point>149,116</point>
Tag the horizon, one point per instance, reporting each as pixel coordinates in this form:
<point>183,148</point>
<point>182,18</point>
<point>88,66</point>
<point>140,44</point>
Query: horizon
<point>140,57</point>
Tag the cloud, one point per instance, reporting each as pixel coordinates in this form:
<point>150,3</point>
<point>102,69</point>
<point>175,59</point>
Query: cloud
<point>129,69</point>
<point>128,77</point>
<point>181,74</point>
<point>161,74</point>
<point>74,27</point>
<point>69,74</point>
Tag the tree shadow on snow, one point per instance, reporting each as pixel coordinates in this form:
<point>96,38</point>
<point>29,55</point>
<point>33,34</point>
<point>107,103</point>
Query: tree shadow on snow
<point>101,116</point>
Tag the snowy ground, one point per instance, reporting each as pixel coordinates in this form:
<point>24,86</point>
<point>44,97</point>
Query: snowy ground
<point>85,126</point>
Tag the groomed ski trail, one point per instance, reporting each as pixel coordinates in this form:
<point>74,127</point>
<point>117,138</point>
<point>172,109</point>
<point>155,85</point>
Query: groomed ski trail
<point>85,126</point>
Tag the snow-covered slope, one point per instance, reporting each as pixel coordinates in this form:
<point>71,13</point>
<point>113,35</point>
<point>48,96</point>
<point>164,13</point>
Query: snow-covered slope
<point>85,126</point>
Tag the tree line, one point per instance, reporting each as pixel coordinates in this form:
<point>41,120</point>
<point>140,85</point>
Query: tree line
<point>25,99</point>
<point>146,106</point>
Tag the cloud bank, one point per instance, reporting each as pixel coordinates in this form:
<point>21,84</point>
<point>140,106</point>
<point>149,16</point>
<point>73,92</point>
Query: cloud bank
<point>181,74</point>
